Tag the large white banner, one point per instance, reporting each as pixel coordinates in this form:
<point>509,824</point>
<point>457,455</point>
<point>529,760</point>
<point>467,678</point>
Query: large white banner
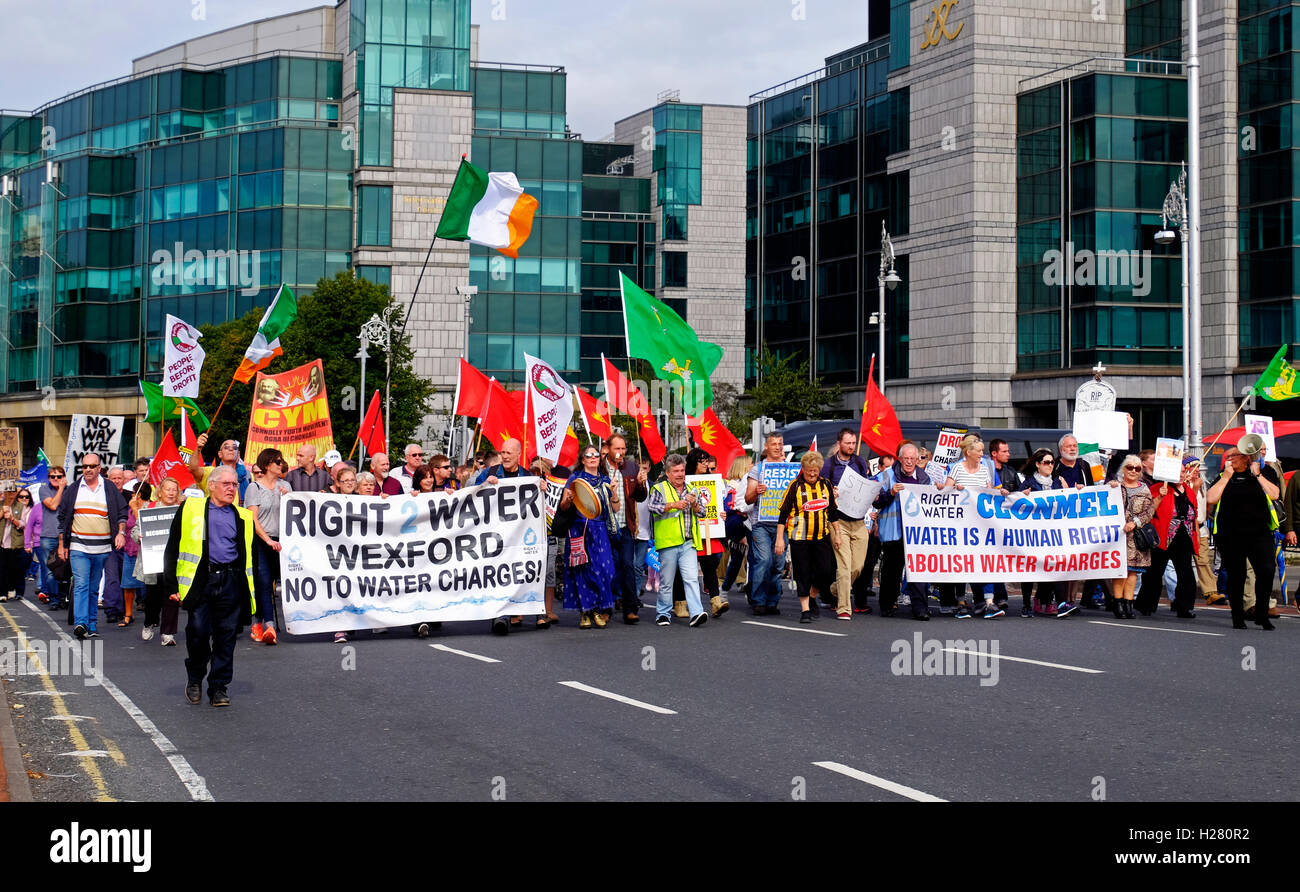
<point>183,359</point>
<point>101,434</point>
<point>361,562</point>
<point>977,535</point>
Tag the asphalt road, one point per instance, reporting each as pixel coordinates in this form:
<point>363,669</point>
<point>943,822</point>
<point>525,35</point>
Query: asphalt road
<point>742,709</point>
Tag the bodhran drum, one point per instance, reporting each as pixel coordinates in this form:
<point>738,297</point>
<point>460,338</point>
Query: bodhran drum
<point>585,499</point>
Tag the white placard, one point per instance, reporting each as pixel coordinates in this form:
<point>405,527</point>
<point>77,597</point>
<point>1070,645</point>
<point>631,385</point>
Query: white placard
<point>712,491</point>
<point>1169,460</point>
<point>856,494</point>
<point>1109,430</point>
<point>1263,425</point>
<point>101,434</point>
<point>183,359</point>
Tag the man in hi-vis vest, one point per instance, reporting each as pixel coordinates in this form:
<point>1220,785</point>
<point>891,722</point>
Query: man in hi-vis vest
<point>211,547</point>
<point>676,511</point>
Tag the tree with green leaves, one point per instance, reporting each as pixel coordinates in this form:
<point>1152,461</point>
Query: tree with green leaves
<point>329,320</point>
<point>785,392</point>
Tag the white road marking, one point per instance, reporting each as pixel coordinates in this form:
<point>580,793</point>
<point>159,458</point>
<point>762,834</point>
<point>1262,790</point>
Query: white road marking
<point>93,754</point>
<point>579,686</point>
<point>1102,622</point>
<point>193,782</point>
<point>463,653</point>
<point>976,653</point>
<point>750,622</point>
<point>69,718</point>
<point>43,693</point>
<point>880,782</point>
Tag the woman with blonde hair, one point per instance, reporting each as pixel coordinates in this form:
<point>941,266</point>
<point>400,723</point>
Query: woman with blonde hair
<point>972,471</point>
<point>737,520</point>
<point>17,557</point>
<point>1138,510</point>
<point>162,604</point>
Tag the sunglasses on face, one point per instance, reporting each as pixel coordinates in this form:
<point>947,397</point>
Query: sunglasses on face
<point>1046,461</point>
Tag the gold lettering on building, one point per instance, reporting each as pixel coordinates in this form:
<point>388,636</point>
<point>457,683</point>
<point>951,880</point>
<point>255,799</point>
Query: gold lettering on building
<point>936,24</point>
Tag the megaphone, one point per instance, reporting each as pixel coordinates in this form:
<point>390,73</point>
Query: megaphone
<point>1250,445</point>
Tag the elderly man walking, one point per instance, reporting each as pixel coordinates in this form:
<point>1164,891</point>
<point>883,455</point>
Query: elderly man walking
<point>211,548</point>
<point>676,512</point>
<point>92,522</point>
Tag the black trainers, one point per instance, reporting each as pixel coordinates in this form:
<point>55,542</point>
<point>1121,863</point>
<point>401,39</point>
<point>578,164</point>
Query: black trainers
<point>193,693</point>
<point>699,619</point>
<point>500,626</point>
<point>79,631</point>
<point>219,697</point>
<point>664,621</point>
<point>422,630</point>
<point>805,617</point>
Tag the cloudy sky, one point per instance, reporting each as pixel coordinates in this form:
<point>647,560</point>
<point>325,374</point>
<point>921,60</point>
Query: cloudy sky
<point>619,55</point>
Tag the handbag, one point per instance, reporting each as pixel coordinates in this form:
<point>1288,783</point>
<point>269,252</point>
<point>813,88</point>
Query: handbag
<point>60,569</point>
<point>1145,537</point>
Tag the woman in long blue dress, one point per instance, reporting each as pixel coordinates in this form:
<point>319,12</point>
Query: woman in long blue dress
<point>590,558</point>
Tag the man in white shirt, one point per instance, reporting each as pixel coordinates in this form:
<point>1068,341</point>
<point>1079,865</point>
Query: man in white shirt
<point>405,475</point>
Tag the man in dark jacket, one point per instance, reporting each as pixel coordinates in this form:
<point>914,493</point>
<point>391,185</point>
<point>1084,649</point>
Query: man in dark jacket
<point>92,524</point>
<point>622,539</point>
<point>211,548</point>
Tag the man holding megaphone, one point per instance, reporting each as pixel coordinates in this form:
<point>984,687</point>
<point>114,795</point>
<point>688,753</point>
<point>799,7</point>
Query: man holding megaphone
<point>1244,525</point>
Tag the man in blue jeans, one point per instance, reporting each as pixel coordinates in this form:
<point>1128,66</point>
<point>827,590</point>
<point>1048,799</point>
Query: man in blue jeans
<point>51,495</point>
<point>765,567</point>
<point>676,514</point>
<point>92,510</point>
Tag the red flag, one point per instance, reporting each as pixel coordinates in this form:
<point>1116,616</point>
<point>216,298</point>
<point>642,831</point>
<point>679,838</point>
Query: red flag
<point>372,428</point>
<point>501,417</point>
<point>623,397</point>
<point>471,390</point>
<point>167,462</point>
<point>880,428</point>
<point>189,445</point>
<point>595,414</point>
<point>813,447</point>
<point>712,436</point>
<point>569,451</point>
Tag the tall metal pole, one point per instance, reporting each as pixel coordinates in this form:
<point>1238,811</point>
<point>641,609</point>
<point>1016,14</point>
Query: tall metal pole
<point>1187,377</point>
<point>1175,212</point>
<point>1194,223</point>
<point>361,410</point>
<point>888,276</point>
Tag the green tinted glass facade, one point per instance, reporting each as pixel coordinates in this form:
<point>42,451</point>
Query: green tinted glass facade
<point>618,236</point>
<point>817,192</point>
<point>419,44</point>
<point>1269,179</point>
<point>1153,29</point>
<point>1092,284</point>
<point>677,163</point>
<point>531,303</point>
<point>187,192</point>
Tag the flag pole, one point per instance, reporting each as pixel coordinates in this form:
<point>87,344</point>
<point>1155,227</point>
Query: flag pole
<point>1210,448</point>
<point>213,420</point>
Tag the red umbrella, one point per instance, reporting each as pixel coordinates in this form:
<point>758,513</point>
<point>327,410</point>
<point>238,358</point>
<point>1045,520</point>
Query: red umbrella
<point>1280,429</point>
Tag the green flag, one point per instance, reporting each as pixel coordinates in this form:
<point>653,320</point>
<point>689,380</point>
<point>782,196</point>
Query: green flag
<point>1278,381</point>
<point>40,456</point>
<point>671,346</point>
<point>166,408</point>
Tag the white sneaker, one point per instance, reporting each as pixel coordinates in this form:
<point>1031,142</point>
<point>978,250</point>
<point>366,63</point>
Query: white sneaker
<point>147,633</point>
<point>168,640</point>
<point>904,601</point>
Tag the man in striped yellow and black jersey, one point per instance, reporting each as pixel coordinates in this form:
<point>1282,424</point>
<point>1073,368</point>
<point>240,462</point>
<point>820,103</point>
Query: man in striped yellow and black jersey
<point>809,513</point>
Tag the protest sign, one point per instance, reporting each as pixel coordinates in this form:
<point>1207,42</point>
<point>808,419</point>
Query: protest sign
<point>354,562</point>
<point>100,434</point>
<point>710,490</point>
<point>978,535</point>
<point>554,492</point>
<point>551,399</point>
<point>1109,430</point>
<point>1169,460</point>
<point>11,454</point>
<point>183,359</point>
<point>856,494</point>
<point>290,410</point>
<point>777,476</point>
<point>155,524</point>
<point>947,452</point>
<point>1263,425</point>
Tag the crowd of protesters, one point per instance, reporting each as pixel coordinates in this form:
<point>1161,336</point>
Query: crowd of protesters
<point>646,543</point>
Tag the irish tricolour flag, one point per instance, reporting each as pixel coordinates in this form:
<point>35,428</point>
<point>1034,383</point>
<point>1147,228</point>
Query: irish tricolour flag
<point>266,343</point>
<point>489,209</point>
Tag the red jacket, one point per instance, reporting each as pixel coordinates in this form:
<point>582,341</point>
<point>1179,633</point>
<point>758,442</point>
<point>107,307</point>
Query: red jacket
<point>1165,515</point>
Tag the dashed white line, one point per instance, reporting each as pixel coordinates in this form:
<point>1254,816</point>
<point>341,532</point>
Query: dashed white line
<point>579,686</point>
<point>750,622</point>
<point>992,656</point>
<point>463,653</point>
<point>194,783</point>
<point>880,782</point>
<point>1102,622</point>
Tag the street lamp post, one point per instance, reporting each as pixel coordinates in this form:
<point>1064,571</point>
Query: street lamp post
<point>378,330</point>
<point>467,292</point>
<point>1193,194</point>
<point>363,356</point>
<point>888,276</point>
<point>1175,212</point>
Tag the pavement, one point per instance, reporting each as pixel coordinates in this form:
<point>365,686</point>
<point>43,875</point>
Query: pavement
<point>741,709</point>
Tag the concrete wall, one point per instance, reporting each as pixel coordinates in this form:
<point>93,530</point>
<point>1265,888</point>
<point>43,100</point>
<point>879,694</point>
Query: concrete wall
<point>312,30</point>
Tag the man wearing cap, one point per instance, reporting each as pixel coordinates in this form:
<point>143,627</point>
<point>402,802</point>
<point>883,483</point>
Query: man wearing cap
<point>308,476</point>
<point>229,456</point>
<point>211,548</point>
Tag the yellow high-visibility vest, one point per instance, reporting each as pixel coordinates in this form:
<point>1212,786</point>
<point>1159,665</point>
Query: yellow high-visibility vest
<point>190,551</point>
